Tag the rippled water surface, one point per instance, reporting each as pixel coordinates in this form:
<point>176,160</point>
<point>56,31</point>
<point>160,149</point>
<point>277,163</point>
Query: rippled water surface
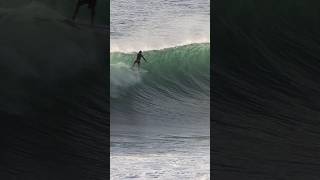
<point>154,24</point>
<point>160,115</point>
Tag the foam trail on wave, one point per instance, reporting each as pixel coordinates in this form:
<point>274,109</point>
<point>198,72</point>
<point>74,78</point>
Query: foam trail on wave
<point>121,77</point>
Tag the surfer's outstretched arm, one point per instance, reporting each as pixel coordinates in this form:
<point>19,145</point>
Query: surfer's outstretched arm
<point>144,59</point>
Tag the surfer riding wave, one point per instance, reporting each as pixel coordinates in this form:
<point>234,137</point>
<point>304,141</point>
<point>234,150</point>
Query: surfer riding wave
<point>137,61</point>
<point>91,5</point>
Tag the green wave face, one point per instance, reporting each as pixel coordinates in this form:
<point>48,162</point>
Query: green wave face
<point>177,70</point>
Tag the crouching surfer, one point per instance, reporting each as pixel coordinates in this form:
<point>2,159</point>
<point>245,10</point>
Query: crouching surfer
<point>137,61</point>
<point>91,5</point>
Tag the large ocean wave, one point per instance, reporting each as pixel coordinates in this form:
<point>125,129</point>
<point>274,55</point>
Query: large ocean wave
<point>172,88</point>
<point>161,112</point>
<point>176,71</point>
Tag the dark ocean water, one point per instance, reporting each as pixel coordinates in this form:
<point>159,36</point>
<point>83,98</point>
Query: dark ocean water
<point>53,95</point>
<point>265,94</point>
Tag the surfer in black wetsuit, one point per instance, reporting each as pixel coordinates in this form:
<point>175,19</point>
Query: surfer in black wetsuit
<point>91,5</point>
<point>137,61</point>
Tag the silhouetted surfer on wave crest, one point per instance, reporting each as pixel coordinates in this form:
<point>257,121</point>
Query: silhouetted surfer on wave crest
<point>91,5</point>
<point>137,61</point>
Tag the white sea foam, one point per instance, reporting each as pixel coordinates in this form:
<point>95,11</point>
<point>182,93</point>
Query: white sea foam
<point>135,47</point>
<point>122,76</point>
<point>161,166</point>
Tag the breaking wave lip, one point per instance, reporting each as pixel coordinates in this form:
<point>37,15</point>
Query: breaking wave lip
<point>132,48</point>
<point>179,70</point>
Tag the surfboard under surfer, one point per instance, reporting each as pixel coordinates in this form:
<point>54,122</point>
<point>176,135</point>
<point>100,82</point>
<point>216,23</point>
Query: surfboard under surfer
<point>137,61</point>
<point>91,5</point>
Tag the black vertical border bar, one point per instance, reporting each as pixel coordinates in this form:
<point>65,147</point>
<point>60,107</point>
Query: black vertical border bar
<point>211,86</point>
<point>108,83</point>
